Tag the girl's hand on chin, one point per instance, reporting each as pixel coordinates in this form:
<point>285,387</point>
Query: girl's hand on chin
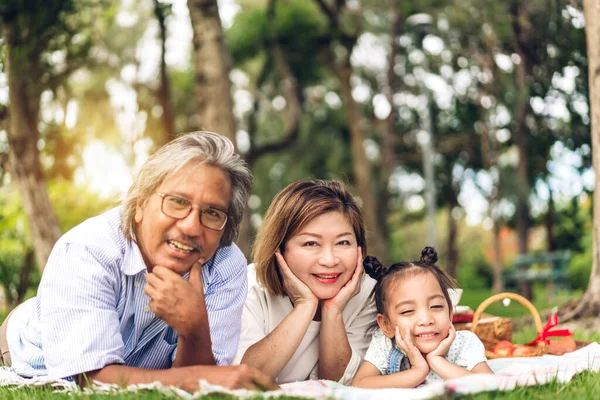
<point>296,290</point>
<point>404,342</point>
<point>444,345</point>
<point>350,289</point>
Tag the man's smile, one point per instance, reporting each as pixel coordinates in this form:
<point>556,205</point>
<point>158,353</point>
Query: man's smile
<point>181,246</point>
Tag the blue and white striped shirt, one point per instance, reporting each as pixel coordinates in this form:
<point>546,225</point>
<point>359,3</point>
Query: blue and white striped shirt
<point>91,309</point>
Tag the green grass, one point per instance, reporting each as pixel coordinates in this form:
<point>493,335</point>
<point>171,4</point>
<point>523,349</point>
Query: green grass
<point>582,386</point>
<point>474,297</point>
<point>47,394</point>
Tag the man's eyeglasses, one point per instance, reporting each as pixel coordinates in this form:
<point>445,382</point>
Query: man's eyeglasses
<point>179,208</point>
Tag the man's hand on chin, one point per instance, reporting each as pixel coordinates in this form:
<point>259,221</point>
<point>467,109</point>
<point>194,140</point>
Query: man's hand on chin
<point>175,300</point>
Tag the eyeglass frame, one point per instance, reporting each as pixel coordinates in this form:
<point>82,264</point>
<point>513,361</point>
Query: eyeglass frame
<point>201,211</point>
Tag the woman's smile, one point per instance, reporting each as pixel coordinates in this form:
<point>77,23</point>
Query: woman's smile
<point>327,279</point>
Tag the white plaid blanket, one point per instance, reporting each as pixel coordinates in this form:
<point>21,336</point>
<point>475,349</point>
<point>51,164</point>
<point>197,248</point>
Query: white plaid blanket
<point>509,373</point>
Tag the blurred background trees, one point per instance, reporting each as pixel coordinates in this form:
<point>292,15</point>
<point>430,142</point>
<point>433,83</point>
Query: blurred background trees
<point>463,124</point>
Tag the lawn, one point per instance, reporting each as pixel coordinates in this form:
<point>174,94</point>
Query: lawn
<point>474,297</point>
<point>582,386</point>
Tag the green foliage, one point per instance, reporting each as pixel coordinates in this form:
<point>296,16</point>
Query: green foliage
<point>474,272</point>
<point>72,205</point>
<point>297,26</point>
<point>246,37</point>
<point>323,143</point>
<point>571,222</point>
<point>580,267</point>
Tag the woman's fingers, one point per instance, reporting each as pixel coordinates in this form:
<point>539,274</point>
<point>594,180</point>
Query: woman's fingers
<point>283,266</point>
<point>295,288</point>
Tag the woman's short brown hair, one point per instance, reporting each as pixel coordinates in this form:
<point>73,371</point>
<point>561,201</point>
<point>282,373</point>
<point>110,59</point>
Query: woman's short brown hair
<point>290,210</point>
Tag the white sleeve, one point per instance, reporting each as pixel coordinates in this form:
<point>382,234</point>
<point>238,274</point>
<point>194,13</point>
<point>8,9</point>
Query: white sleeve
<point>471,352</point>
<point>377,353</point>
<point>253,323</point>
<point>224,297</point>
<point>359,338</point>
<point>79,312</point>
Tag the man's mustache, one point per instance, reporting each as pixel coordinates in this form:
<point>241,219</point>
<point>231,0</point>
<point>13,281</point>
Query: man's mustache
<point>188,241</point>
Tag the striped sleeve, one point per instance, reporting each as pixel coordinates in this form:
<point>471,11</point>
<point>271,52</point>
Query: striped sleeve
<point>225,297</point>
<point>78,312</point>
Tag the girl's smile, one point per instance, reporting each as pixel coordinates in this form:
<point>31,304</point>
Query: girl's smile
<point>417,304</point>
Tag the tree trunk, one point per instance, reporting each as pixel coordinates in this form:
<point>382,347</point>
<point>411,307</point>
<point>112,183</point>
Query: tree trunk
<point>213,87</point>
<point>22,70</point>
<point>164,88</point>
<point>498,284</point>
<point>388,145</point>
<point>452,258</point>
<point>489,155</point>
<point>246,235</point>
<point>24,277</point>
<point>522,31</point>
<point>549,222</point>
<point>9,299</point>
<point>590,302</point>
<point>361,167</point>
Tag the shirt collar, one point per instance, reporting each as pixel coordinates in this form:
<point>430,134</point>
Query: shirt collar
<point>133,262</point>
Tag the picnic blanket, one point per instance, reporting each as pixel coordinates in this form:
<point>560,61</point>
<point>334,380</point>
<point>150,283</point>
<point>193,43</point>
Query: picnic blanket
<point>509,373</point>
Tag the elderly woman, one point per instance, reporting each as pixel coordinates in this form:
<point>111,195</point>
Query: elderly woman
<point>310,315</point>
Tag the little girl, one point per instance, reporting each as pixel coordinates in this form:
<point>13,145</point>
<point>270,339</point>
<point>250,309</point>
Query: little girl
<point>416,341</point>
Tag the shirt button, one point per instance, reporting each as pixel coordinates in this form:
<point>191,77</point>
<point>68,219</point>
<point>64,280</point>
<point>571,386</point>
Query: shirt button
<point>137,283</point>
<point>147,308</point>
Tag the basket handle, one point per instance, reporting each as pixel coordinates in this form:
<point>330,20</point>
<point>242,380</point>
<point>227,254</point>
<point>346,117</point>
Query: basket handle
<point>500,296</point>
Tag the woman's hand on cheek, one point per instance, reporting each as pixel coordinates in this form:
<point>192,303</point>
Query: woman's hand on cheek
<point>349,290</point>
<point>444,345</point>
<point>296,290</point>
<point>404,342</point>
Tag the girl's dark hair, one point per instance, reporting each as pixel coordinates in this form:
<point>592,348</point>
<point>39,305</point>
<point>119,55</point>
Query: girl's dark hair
<point>385,277</point>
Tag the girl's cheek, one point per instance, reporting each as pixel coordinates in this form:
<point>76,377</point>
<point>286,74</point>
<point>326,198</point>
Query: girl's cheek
<point>404,323</point>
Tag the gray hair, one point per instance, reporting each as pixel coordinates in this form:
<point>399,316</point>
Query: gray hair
<point>199,147</point>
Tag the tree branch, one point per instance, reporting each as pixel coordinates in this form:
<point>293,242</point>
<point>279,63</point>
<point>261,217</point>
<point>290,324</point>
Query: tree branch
<point>291,94</point>
<point>260,80</point>
<point>331,16</point>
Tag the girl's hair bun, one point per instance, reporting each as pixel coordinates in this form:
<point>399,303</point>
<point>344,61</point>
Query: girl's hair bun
<point>374,268</point>
<point>428,256</point>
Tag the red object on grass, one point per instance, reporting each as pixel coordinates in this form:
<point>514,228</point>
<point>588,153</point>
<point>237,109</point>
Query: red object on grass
<point>457,318</point>
<point>546,332</point>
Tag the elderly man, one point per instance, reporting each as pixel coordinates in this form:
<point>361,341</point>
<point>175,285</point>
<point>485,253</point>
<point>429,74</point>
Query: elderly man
<point>149,291</point>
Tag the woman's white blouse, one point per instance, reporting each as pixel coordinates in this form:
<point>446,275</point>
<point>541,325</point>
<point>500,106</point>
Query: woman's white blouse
<point>264,312</point>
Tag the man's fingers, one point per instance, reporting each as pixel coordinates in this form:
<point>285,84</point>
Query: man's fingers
<point>196,276</point>
<point>153,280</point>
<point>150,291</point>
<point>164,273</point>
<point>263,381</point>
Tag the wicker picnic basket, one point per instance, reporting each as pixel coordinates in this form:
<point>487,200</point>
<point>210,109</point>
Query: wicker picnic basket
<point>498,329</point>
